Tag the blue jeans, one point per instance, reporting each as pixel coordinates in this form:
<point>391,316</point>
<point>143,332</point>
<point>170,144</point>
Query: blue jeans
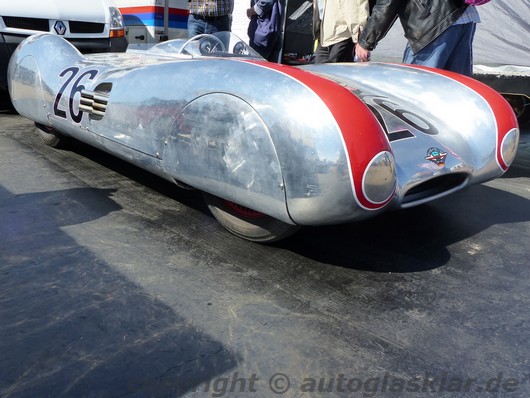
<point>198,25</point>
<point>452,50</point>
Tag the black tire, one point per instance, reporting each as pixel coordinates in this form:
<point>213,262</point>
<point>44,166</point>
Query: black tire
<point>521,107</point>
<point>50,136</point>
<point>524,117</point>
<point>247,223</point>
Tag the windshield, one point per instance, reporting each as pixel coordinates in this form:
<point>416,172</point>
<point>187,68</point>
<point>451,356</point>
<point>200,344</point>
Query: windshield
<point>219,44</point>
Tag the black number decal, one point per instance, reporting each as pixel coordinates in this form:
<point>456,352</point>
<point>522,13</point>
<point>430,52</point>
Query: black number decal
<point>416,121</point>
<point>76,89</point>
<point>392,135</point>
<point>427,128</point>
<point>59,112</point>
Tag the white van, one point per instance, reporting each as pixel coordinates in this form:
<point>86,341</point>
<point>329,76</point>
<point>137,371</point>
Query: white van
<point>90,25</point>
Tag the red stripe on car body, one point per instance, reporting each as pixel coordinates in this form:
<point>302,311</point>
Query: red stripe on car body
<point>361,132</point>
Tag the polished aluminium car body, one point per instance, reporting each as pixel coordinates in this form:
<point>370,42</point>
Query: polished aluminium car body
<point>312,145</point>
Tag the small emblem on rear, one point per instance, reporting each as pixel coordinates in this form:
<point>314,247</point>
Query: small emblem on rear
<point>60,28</point>
<point>436,156</point>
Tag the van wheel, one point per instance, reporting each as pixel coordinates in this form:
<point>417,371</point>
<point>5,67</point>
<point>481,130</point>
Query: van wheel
<point>247,223</point>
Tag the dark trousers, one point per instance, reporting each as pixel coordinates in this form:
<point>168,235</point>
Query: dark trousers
<point>342,51</point>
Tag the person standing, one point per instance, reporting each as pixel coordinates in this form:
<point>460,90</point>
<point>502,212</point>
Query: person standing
<point>439,32</point>
<point>336,27</point>
<point>264,28</point>
<point>209,16</point>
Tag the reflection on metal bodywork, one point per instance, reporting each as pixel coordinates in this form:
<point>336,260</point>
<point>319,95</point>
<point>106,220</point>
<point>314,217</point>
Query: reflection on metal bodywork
<point>312,145</point>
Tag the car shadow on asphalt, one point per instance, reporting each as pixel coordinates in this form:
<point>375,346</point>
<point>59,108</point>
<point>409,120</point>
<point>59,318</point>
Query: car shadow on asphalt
<point>189,197</point>
<point>415,239</point>
<point>73,326</point>
<point>402,241</point>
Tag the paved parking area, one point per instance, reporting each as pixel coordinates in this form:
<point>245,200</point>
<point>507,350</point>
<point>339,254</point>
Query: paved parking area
<point>114,283</point>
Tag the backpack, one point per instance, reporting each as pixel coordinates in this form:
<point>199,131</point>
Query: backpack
<point>263,31</point>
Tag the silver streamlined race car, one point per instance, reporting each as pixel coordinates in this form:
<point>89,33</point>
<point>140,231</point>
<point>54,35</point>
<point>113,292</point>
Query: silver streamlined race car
<point>272,147</point>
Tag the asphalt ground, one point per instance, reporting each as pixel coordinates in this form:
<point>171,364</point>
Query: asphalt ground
<point>114,283</point>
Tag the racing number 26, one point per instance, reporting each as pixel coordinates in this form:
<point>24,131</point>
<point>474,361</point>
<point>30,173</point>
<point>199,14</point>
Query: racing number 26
<point>76,87</point>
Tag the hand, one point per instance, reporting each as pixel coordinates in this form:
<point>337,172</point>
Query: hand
<point>250,12</point>
<point>362,54</point>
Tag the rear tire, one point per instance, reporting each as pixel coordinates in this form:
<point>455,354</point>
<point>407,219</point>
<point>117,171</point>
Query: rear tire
<point>50,136</point>
<point>247,223</point>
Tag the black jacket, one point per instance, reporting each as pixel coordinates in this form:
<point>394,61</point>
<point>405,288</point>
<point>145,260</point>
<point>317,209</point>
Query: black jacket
<point>422,20</point>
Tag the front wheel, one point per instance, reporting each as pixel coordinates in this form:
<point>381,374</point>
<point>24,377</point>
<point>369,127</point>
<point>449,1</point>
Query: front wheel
<point>50,136</point>
<point>247,223</point>
<point>521,107</point>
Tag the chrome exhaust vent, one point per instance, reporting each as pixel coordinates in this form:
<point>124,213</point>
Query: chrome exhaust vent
<point>94,103</point>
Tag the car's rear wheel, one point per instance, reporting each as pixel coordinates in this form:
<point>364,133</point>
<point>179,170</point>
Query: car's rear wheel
<point>50,136</point>
<point>247,223</point>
